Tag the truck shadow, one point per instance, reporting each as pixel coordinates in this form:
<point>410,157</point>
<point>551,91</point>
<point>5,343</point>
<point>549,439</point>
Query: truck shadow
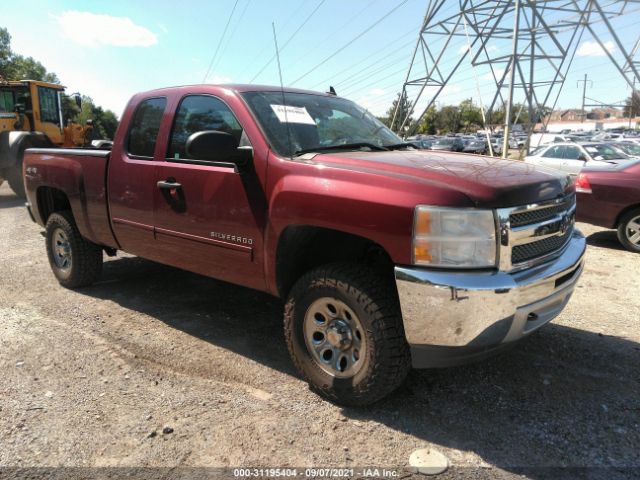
<point>9,200</point>
<point>564,397</point>
<point>605,239</point>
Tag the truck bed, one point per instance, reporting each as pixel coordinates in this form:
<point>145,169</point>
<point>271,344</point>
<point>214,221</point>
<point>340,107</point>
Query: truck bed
<point>81,174</point>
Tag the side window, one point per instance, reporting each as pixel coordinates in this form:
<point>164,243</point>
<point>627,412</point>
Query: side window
<point>197,113</point>
<point>48,98</point>
<point>554,152</point>
<point>6,102</point>
<point>143,131</point>
<point>572,153</point>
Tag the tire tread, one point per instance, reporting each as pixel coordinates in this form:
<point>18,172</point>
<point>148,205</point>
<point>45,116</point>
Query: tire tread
<point>87,256</point>
<point>378,298</point>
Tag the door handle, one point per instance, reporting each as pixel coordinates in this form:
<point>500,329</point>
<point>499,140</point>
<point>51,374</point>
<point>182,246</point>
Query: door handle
<point>168,184</point>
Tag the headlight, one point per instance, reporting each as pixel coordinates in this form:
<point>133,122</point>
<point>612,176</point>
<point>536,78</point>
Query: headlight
<point>452,237</point>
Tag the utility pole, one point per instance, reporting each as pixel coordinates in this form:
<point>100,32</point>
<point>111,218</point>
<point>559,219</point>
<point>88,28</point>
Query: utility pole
<point>584,95</point>
<point>633,98</point>
<point>512,72</point>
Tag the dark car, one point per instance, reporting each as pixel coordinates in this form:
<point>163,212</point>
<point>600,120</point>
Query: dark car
<point>449,144</point>
<point>609,196</point>
<point>476,146</point>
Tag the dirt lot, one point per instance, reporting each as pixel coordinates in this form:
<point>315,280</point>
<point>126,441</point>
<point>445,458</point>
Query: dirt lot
<point>91,377</point>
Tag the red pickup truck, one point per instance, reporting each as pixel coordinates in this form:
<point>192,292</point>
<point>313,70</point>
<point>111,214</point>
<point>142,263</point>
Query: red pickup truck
<point>386,256</point>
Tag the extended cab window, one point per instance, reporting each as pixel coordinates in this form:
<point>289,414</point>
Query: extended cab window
<point>49,112</point>
<point>143,131</point>
<point>199,113</point>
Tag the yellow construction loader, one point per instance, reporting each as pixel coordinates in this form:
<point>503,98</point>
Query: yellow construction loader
<point>30,117</point>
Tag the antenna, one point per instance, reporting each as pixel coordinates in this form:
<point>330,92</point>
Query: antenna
<point>284,105</point>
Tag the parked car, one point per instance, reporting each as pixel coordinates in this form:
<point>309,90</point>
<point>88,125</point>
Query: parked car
<point>385,256</point>
<point>450,144</point>
<point>630,148</point>
<point>423,144</point>
<point>539,139</point>
<point>609,196</point>
<point>476,146</point>
<point>572,157</point>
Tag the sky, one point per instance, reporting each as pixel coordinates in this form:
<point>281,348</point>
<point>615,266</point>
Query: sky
<point>110,50</point>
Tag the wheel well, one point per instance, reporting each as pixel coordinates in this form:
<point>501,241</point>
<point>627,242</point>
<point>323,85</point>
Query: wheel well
<point>51,200</point>
<point>624,212</point>
<point>302,248</point>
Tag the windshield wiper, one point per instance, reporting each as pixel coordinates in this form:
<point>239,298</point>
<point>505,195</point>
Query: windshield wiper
<point>346,146</point>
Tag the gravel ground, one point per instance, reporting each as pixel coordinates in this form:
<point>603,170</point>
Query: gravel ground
<point>91,378</point>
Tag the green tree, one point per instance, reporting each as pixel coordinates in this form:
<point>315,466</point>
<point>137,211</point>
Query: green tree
<point>404,110</point>
<point>5,53</point>
<point>449,119</point>
<point>18,67</point>
<point>430,121</point>
<point>470,116</point>
<point>105,122</point>
<point>28,68</point>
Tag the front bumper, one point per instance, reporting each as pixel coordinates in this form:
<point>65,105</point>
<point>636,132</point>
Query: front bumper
<point>457,317</point>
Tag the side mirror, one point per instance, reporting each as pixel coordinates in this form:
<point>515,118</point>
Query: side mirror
<point>217,146</point>
<point>582,158</point>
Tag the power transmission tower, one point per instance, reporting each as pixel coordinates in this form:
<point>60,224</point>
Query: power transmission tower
<point>522,48</point>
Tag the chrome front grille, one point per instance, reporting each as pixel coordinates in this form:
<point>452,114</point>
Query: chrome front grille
<point>532,234</point>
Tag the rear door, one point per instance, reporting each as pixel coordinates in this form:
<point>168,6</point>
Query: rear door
<point>205,220</point>
<point>132,178</point>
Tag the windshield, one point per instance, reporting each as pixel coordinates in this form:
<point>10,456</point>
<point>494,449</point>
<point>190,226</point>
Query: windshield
<point>444,141</point>
<point>605,152</point>
<point>316,122</point>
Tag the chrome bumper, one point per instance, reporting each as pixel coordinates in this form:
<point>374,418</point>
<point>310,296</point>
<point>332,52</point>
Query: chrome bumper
<point>456,317</point>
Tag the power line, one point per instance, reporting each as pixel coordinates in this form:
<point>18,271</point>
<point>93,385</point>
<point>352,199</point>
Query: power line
<point>365,59</point>
<point>331,35</point>
<point>220,42</point>
<point>266,45</point>
<point>288,40</point>
<point>233,32</point>
<point>357,37</point>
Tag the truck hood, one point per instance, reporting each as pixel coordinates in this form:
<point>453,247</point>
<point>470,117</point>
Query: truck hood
<point>487,181</point>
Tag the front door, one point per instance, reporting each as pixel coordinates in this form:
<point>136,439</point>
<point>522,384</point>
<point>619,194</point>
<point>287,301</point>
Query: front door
<point>553,157</point>
<point>48,116</point>
<point>205,214</point>
<point>574,160</point>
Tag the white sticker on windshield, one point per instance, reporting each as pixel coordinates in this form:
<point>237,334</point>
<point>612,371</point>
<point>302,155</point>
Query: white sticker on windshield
<point>292,114</point>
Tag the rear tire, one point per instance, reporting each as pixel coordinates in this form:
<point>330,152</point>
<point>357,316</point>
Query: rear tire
<point>75,262</point>
<point>344,332</point>
<point>629,230</point>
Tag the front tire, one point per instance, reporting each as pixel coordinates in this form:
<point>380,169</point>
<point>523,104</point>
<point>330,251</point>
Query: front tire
<point>75,262</point>
<point>629,230</point>
<point>344,332</point>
